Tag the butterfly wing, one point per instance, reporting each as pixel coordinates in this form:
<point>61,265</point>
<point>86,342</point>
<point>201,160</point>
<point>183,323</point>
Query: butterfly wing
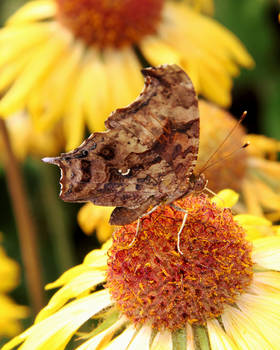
<point>147,154</point>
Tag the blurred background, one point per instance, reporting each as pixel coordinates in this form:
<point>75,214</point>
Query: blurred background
<point>62,244</point>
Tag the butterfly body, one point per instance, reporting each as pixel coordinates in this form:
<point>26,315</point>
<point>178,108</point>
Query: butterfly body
<point>146,156</point>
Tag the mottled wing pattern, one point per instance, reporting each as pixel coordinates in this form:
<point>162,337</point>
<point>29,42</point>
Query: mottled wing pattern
<point>147,154</point>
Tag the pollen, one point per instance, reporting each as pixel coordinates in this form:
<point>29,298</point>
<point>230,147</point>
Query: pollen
<point>152,283</point>
<point>110,23</point>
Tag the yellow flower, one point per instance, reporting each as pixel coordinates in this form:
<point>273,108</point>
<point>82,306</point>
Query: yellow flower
<point>253,172</point>
<point>10,312</point>
<point>72,62</point>
<point>223,293</point>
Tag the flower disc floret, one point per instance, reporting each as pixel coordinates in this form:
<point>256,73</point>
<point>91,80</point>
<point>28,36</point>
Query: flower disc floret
<point>110,22</point>
<point>151,282</point>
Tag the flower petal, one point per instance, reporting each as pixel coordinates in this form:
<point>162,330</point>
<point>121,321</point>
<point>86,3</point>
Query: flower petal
<point>162,341</point>
<point>263,311</point>
<point>38,67</point>
<point>242,330</point>
<point>225,199</point>
<point>141,340</point>
<point>57,330</point>
<point>268,279</point>
<point>33,11</point>
<point>219,340</point>
<point>122,341</point>
<point>266,252</point>
<point>190,338</point>
<point>79,285</point>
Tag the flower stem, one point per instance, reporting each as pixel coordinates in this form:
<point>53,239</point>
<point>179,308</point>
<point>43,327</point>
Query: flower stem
<point>201,338</point>
<point>25,224</point>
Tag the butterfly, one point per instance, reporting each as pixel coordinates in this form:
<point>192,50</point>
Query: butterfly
<point>147,155</point>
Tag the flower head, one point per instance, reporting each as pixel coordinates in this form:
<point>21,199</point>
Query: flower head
<point>70,63</point>
<point>173,289</point>
<point>222,291</point>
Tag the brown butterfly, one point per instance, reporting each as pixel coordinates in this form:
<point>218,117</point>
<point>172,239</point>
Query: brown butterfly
<point>147,155</point>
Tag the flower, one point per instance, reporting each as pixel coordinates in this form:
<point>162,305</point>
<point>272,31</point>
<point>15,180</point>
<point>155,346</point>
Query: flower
<point>222,293</point>
<point>10,312</point>
<point>254,172</point>
<point>70,63</point>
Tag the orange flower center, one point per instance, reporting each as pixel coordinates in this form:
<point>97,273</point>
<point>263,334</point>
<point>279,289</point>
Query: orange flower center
<point>151,282</point>
<point>113,23</point>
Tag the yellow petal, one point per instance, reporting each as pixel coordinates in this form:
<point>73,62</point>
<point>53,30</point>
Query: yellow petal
<point>255,226</point>
<point>91,217</point>
<point>33,11</point>
<point>35,71</point>
<point>269,280</point>
<point>219,340</point>
<point>242,330</point>
<point>122,341</point>
<point>225,199</point>
<point>263,311</point>
<point>47,103</point>
<point>85,282</point>
<point>190,338</point>
<point>162,341</point>
<point>141,341</point>
<point>96,259</point>
<point>97,98</point>
<point>266,252</point>
<point>120,92</point>
<point>55,331</point>
<point>157,52</point>
<point>15,41</point>
<point>74,123</point>
<point>13,69</point>
<point>246,219</point>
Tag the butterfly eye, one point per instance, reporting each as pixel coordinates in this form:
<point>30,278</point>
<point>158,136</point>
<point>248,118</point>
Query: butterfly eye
<point>84,153</point>
<point>107,153</point>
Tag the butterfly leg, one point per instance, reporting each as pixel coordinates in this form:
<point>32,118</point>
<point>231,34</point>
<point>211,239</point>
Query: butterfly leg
<point>138,227</point>
<point>182,226</point>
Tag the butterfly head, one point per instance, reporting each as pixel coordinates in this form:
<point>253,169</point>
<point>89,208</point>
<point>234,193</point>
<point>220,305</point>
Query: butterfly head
<point>198,182</point>
<point>81,172</point>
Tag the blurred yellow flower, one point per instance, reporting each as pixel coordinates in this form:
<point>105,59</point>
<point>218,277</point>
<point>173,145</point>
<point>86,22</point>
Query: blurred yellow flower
<point>71,63</point>
<point>253,172</point>
<point>250,320</point>
<point>10,312</point>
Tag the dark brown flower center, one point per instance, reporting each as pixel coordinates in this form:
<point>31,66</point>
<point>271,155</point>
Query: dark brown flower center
<point>151,282</point>
<point>110,23</point>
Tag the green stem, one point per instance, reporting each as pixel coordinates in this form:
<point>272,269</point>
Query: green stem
<point>201,338</point>
<point>25,224</point>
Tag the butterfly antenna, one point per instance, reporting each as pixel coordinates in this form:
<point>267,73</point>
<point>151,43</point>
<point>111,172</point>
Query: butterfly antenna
<point>246,144</point>
<point>224,141</point>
